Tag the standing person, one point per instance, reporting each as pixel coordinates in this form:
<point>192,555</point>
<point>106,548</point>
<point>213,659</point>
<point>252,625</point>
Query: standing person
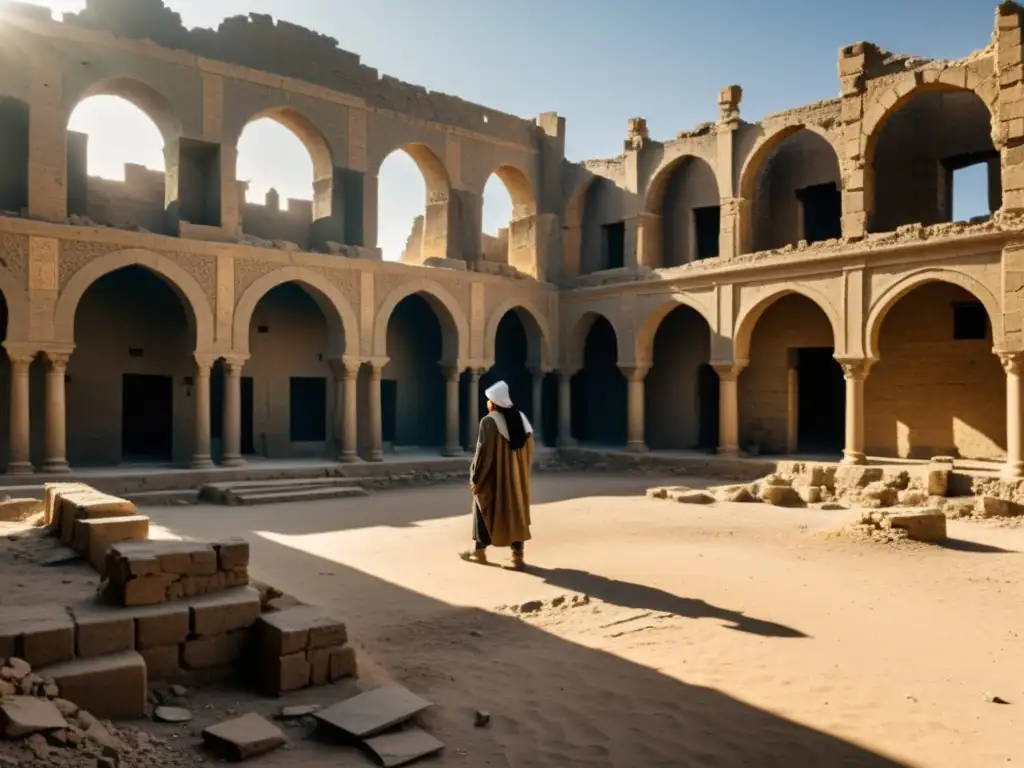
<point>500,479</point>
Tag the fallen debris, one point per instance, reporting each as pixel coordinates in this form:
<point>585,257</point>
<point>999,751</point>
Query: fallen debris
<point>244,737</point>
<point>403,747</point>
<point>373,712</point>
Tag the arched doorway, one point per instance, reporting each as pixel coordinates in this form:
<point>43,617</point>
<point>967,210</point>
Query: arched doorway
<point>685,195</point>
<point>599,389</point>
<point>936,389</point>
<point>130,382</point>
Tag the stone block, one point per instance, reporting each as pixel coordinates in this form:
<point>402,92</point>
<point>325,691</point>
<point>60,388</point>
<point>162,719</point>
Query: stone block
<point>299,628</point>
<point>89,505</point>
<point>809,494</point>
<point>163,664</point>
<point>780,496</point>
<point>99,632</point>
<point>856,476</point>
<point>145,590</point>
<point>225,612</point>
<point>990,506</point>
<point>244,737</point>
<point>94,537</point>
<point>928,525</point>
<point>19,510</point>
<point>161,625</point>
<point>39,634</point>
<point>25,715</point>
<point>112,686</point>
<point>343,663</point>
<point>232,553</point>
<point>286,673</point>
<point>50,493</point>
<point>319,665</point>
<point>937,481</point>
<point>217,651</point>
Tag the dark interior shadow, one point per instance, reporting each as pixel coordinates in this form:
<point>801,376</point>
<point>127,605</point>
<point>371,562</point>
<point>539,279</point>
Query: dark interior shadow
<point>962,545</point>
<point>628,595</point>
<point>539,686</point>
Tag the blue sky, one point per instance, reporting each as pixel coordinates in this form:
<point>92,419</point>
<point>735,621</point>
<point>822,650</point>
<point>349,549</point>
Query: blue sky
<point>595,62</point>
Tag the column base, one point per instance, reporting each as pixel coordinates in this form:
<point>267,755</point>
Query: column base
<point>376,455</point>
<point>56,466</point>
<point>854,457</point>
<point>729,451</point>
<point>1012,470</point>
<point>201,461</point>
<point>567,442</point>
<point>20,468</point>
<point>233,461</point>
<point>636,446</point>
<point>349,458</point>
<point>452,451</point>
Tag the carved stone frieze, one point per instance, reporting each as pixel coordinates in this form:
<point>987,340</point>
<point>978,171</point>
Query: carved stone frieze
<point>14,256</point>
<point>347,283</point>
<point>248,270</point>
<point>203,267</point>
<point>75,254</point>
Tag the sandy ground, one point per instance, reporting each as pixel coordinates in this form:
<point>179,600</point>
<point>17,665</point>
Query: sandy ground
<point>732,635</point>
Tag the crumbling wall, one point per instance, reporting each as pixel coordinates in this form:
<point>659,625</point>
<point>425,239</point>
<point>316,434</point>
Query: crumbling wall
<point>270,222</point>
<point>260,42</point>
<point>692,185</point>
<point>135,203</point>
<point>495,249</point>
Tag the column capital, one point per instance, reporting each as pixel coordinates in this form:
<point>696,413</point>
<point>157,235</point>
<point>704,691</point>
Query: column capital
<point>377,366</point>
<point>566,371</point>
<point>58,358</point>
<point>539,370</point>
<point>729,370</point>
<point>205,360</point>
<point>235,362</point>
<point>452,371</point>
<point>475,372</point>
<point>1012,362</point>
<point>635,371</point>
<point>20,354</point>
<point>855,368</point>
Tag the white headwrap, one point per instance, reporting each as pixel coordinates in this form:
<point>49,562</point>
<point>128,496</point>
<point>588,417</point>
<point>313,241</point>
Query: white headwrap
<point>498,394</point>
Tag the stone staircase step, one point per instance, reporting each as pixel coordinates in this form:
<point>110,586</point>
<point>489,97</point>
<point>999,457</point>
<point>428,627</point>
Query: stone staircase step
<point>163,498</point>
<point>111,686</point>
<point>303,494</point>
<point>222,493</point>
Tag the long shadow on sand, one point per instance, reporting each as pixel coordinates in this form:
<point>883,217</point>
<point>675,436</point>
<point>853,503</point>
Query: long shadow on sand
<point>625,594</point>
<point>554,702</point>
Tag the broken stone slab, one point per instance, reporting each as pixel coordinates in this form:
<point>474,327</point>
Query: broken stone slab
<point>689,496</point>
<point>171,715</point>
<point>780,496</point>
<point>244,737</point>
<point>733,493</point>
<point>990,506</point>
<point>297,711</point>
<point>19,510</point>
<point>24,715</point>
<point>403,747</point>
<point>373,712</point>
<point>927,525</point>
<point>809,494</point>
<point>300,628</point>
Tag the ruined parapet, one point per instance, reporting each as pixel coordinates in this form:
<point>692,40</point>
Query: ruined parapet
<point>729,99</point>
<point>1009,133</point>
<point>636,134</point>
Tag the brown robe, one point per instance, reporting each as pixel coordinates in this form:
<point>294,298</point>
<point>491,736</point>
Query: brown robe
<point>502,479</point>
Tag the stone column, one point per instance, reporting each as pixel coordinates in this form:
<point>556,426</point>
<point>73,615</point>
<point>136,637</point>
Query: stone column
<point>792,406</point>
<point>19,456</point>
<point>451,411</point>
<point>855,371</point>
<point>565,438</point>
<point>55,446</point>
<point>201,458</point>
<point>729,407</point>
<point>337,366</point>
<point>635,375</point>
<point>350,424</point>
<point>376,434</point>
<point>537,417</point>
<point>231,456</point>
<point>473,408</point>
<point>1013,469</point>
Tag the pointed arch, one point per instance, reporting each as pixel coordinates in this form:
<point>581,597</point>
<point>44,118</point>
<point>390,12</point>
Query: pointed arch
<point>648,329</point>
<point>538,333</point>
<point>454,326</point>
<point>749,315</point>
<point>153,102</point>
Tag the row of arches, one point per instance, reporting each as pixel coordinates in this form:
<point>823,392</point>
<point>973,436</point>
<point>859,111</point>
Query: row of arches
<point>129,166</point>
<point>137,380</point>
<point>931,159</point>
<point>934,388</point>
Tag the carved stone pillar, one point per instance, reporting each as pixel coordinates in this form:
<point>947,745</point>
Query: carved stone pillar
<point>729,407</point>
<point>349,421</point>
<point>451,411</point>
<point>19,456</point>
<point>55,447</point>
<point>201,458</point>
<point>635,375</point>
<point>473,408</point>
<point>373,395</point>
<point>537,417</point>
<point>855,371</point>
<point>1013,469</point>
<point>232,453</point>
<point>565,438</point>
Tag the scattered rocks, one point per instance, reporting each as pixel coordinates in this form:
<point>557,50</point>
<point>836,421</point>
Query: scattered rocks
<point>244,737</point>
<point>171,715</point>
<point>297,711</point>
<point>481,718</point>
<point>993,699</point>
<point>780,495</point>
<point>925,525</point>
<point>24,715</point>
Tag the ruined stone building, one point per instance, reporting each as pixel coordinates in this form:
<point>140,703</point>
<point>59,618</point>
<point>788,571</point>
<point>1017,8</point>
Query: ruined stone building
<point>791,286</point>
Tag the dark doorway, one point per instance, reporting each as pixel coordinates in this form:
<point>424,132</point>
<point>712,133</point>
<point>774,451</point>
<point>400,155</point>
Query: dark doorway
<point>147,417</point>
<point>388,409</point>
<point>614,245</point>
<point>707,408</point>
<point>821,401</point>
<point>307,409</point>
<point>599,390</point>
<point>823,212</point>
<point>708,224</point>
<point>248,441</point>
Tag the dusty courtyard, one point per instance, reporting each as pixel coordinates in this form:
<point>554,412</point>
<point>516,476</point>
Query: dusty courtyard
<point>715,636</point>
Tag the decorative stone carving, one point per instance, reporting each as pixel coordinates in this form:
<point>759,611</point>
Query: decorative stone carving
<point>855,369</point>
<point>347,283</point>
<point>42,273</point>
<point>1011,362</point>
<point>14,255</point>
<point>75,254</point>
<point>435,198</point>
<point>203,267</point>
<point>248,270</point>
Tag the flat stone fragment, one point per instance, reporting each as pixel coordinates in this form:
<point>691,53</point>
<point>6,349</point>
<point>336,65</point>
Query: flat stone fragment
<point>171,715</point>
<point>25,715</point>
<point>928,525</point>
<point>373,712</point>
<point>297,711</point>
<point>244,737</point>
<point>403,747</point>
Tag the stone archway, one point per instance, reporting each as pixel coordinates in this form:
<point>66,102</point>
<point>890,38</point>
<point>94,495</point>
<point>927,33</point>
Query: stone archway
<point>599,398</point>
